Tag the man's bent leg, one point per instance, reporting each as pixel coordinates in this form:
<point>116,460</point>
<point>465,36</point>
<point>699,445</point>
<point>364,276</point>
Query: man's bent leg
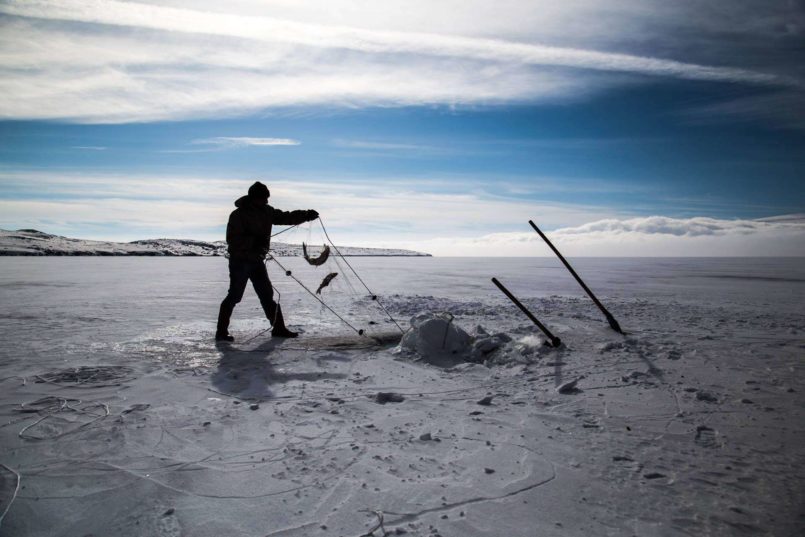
<point>238,277</point>
<point>265,291</point>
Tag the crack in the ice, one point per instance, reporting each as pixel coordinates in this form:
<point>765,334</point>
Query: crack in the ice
<point>290,529</point>
<point>407,517</point>
<point>221,496</point>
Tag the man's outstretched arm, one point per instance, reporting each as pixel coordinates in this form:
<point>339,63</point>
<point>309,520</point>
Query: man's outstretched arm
<point>292,218</point>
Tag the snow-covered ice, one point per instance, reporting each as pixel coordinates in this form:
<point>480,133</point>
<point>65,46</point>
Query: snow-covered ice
<point>121,416</point>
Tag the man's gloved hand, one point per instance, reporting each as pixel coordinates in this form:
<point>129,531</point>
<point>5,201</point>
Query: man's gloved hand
<point>312,215</point>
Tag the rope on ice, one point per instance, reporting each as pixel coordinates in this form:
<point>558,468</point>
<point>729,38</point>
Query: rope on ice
<point>14,496</point>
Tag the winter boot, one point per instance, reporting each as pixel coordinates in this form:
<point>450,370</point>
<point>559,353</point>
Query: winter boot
<point>279,329</point>
<point>222,332</point>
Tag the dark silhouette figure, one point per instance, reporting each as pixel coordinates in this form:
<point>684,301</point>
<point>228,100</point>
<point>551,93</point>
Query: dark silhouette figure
<point>248,236</point>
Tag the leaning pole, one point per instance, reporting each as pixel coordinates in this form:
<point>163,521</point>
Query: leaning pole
<point>554,341</point>
<point>612,322</point>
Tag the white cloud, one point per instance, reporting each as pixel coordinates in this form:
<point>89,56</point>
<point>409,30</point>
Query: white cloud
<point>379,213</point>
<point>130,61</point>
<point>360,144</point>
<point>269,29</point>
<point>243,141</point>
<point>660,225</point>
<point>654,236</point>
<point>370,212</point>
<point>662,236</point>
<point>779,108</point>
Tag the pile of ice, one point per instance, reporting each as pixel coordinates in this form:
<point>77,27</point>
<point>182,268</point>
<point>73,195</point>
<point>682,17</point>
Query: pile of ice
<point>437,339</point>
<point>434,334</point>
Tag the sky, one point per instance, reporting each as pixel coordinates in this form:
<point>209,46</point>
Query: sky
<point>621,127</point>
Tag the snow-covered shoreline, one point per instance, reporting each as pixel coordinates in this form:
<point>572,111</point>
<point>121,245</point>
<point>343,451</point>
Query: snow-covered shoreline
<point>30,242</point>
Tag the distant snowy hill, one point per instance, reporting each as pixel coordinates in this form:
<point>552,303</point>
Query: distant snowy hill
<point>33,242</point>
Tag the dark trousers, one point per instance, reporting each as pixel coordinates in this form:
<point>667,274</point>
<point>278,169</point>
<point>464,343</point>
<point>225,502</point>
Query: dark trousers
<point>240,272</point>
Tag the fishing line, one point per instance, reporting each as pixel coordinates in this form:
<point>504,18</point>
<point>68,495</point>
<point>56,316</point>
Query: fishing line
<point>289,273</point>
<point>343,273</point>
<point>347,279</point>
<point>374,296</point>
<point>284,230</point>
<point>345,276</point>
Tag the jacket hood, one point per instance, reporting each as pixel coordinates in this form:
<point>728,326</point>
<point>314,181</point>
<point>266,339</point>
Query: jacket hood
<point>242,201</point>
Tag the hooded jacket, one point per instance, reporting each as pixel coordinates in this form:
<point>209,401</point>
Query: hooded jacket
<point>248,233</point>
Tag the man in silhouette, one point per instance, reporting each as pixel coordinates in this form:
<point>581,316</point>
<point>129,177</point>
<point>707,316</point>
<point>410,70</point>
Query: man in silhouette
<point>248,236</point>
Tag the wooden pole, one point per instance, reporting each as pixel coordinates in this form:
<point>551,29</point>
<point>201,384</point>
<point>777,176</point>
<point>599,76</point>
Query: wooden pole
<point>555,341</point>
<point>612,322</point>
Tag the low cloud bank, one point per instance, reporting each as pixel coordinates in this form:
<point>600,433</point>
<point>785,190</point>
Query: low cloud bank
<point>646,236</point>
<point>688,227</point>
<point>383,214</point>
<point>363,213</point>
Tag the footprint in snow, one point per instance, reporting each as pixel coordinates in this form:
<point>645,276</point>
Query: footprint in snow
<point>706,437</point>
<point>706,397</point>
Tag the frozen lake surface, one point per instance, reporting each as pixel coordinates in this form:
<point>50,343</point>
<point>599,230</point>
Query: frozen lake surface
<point>50,303</point>
<point>691,424</point>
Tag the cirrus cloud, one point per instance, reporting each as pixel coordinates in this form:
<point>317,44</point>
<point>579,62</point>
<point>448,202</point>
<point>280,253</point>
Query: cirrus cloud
<point>115,61</point>
<point>244,141</point>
